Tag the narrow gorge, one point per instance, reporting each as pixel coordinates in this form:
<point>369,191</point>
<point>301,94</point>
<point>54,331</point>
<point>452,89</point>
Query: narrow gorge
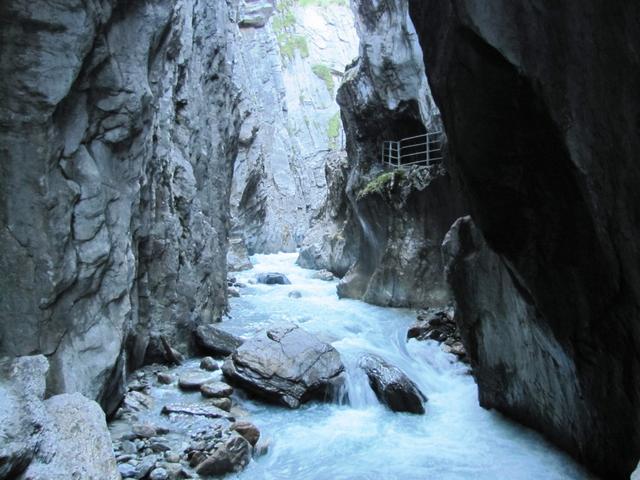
<point>314,239</point>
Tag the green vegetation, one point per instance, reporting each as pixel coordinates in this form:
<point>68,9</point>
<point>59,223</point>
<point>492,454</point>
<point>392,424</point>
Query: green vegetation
<point>333,130</point>
<point>283,26</point>
<point>324,73</point>
<point>381,183</point>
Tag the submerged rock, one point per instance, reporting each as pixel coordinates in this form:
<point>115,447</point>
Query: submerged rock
<point>273,278</point>
<point>287,366</point>
<point>209,364</point>
<point>216,342</point>
<point>295,294</point>
<point>392,386</point>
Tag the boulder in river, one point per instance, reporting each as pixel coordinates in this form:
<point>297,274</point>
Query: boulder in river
<point>216,342</point>
<point>232,456</point>
<point>273,278</point>
<point>248,430</point>
<point>209,364</point>
<point>216,390</point>
<point>286,365</point>
<point>194,380</point>
<point>392,386</point>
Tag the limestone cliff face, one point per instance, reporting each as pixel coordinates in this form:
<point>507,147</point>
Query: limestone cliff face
<point>288,65</point>
<point>389,238</point>
<point>540,105</point>
<point>118,132</point>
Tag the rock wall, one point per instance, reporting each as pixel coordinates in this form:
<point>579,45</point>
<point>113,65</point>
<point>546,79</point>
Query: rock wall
<point>541,111</point>
<point>118,132</point>
<point>389,238</point>
<point>289,61</point>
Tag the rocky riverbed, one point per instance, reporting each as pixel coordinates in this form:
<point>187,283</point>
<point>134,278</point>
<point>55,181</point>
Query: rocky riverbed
<point>403,408</point>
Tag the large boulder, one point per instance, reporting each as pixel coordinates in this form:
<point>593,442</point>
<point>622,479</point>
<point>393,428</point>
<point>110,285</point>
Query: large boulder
<point>287,366</point>
<point>216,342</point>
<point>273,278</point>
<point>392,386</point>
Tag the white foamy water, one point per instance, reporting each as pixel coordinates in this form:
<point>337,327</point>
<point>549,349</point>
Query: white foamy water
<point>455,439</point>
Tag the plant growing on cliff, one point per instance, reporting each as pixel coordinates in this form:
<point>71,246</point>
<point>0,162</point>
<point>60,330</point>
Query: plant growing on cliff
<point>333,130</point>
<point>283,26</point>
<point>381,183</point>
<point>324,73</point>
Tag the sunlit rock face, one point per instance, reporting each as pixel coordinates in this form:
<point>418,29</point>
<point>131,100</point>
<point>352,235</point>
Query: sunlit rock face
<point>288,68</point>
<point>118,131</point>
<point>394,223</point>
<point>541,110</point>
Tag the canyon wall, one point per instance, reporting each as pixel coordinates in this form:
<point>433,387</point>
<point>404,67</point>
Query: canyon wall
<point>385,236</point>
<point>118,132</point>
<point>290,57</point>
<point>540,106</point>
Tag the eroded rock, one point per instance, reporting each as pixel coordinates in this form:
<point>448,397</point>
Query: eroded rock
<point>216,342</point>
<point>392,386</point>
<point>287,366</point>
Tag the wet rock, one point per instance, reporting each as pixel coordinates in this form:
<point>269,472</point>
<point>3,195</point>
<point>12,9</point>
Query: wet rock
<point>325,275</point>
<point>216,342</point>
<point>273,278</point>
<point>158,446</point>
<point>194,380</point>
<point>248,430</point>
<point>144,430</point>
<point>233,292</point>
<point>216,390</point>
<point>127,446</point>
<point>127,470</point>
<point>438,324</point>
<point>392,386</point>
<point>172,457</point>
<point>294,294</point>
<point>208,411</point>
<point>166,378</point>
<point>145,466</point>
<point>287,366</point>
<point>222,403</point>
<point>136,402</point>
<point>237,255</point>
<point>209,364</point>
<point>232,456</point>
<point>159,474</point>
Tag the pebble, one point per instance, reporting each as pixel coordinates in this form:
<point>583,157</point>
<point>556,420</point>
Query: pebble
<point>127,470</point>
<point>216,390</point>
<point>144,430</point>
<point>158,474</point>
<point>209,364</point>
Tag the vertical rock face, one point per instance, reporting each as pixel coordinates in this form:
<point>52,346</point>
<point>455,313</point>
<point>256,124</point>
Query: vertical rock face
<point>288,63</point>
<point>395,220</point>
<point>541,110</point>
<point>118,131</point>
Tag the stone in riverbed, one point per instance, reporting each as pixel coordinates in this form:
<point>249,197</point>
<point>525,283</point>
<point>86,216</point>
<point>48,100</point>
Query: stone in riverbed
<point>286,365</point>
<point>159,474</point>
<point>216,390</point>
<point>392,386</point>
<point>325,275</point>
<point>144,430</point>
<point>222,403</point>
<point>232,456</point>
<point>194,380</point>
<point>248,430</point>
<point>127,470</point>
<point>166,378</point>
<point>273,278</point>
<point>216,342</point>
<point>208,411</point>
<point>295,294</point>
<point>209,364</point>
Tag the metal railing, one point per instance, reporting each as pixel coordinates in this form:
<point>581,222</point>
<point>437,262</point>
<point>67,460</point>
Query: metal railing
<point>425,149</point>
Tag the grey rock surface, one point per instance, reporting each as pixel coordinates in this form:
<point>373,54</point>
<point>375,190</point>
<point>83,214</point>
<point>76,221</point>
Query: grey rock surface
<point>273,278</point>
<point>286,365</point>
<point>232,456</point>
<point>392,386</point>
<point>385,242</point>
<point>287,68</point>
<point>114,181</point>
<point>561,214</point>
<point>215,341</point>
<point>62,437</point>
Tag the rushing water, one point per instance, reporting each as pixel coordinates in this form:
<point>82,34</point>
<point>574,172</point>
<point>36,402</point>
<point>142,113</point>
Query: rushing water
<point>455,439</point>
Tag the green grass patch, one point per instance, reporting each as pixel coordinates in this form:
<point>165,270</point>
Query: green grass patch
<point>324,73</point>
<point>381,183</point>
